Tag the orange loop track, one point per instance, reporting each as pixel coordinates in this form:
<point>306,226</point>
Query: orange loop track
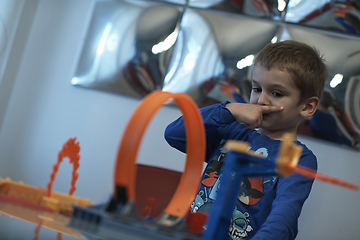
<point>195,136</point>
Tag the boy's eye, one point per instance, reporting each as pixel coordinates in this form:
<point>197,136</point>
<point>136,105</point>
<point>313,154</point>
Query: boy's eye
<point>256,89</point>
<point>277,94</point>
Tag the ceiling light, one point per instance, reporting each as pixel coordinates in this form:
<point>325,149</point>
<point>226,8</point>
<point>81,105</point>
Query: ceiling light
<point>245,62</point>
<point>337,79</point>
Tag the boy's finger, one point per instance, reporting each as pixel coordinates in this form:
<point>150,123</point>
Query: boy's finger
<point>269,109</point>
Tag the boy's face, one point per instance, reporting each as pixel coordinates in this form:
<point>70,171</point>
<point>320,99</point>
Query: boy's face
<point>276,88</point>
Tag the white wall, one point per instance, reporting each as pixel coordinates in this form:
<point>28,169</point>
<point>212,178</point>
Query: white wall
<point>332,212</point>
<point>43,110</point>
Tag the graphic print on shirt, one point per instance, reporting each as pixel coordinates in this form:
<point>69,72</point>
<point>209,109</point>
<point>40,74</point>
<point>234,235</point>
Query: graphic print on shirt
<point>251,191</point>
<point>239,225</point>
<point>209,183</point>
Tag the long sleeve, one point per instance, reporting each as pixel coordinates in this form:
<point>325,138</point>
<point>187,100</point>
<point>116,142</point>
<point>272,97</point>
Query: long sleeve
<point>291,193</point>
<point>214,117</point>
<point>272,216</point>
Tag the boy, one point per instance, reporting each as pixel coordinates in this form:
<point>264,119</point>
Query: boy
<point>287,82</point>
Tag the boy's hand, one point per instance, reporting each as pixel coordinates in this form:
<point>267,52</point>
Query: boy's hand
<point>251,114</point>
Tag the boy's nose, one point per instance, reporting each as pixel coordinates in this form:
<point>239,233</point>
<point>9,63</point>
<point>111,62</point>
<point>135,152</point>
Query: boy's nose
<point>263,99</point>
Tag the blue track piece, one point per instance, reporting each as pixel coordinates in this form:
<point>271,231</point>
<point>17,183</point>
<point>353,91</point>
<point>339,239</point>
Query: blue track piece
<point>237,165</point>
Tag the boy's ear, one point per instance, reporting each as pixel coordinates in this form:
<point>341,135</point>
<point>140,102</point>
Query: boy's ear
<point>309,107</point>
